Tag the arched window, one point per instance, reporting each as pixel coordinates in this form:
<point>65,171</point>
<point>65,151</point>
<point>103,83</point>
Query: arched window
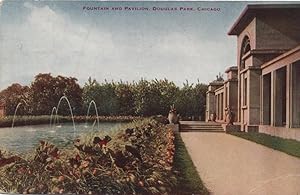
<point>244,49</point>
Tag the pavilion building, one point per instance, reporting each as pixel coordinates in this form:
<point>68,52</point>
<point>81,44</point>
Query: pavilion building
<point>262,90</point>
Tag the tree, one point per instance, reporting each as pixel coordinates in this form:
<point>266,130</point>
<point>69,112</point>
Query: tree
<point>13,95</point>
<point>200,96</point>
<point>47,90</point>
<point>125,96</point>
<point>103,94</point>
<point>142,98</point>
<point>191,100</point>
<point>164,94</point>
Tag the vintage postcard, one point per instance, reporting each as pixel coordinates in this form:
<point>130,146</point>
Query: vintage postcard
<point>149,97</point>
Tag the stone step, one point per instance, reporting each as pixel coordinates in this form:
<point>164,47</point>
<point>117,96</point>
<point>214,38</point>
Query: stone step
<point>197,130</point>
<point>199,127</point>
<point>207,127</point>
<point>187,126</point>
<point>204,124</point>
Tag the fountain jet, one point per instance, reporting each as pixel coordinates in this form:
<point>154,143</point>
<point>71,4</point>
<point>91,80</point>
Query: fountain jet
<point>17,107</point>
<point>88,112</point>
<point>52,112</point>
<point>70,108</point>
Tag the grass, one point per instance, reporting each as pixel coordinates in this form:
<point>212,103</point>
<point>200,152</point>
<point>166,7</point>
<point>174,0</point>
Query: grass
<point>288,146</point>
<point>189,181</point>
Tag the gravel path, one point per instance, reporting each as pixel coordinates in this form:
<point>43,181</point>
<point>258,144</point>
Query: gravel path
<point>234,166</point>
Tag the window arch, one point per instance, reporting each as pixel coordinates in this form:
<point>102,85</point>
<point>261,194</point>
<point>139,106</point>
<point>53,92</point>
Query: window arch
<point>244,49</point>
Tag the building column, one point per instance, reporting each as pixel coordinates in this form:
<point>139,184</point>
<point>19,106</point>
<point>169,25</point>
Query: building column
<point>220,108</point>
<point>261,100</point>
<point>239,99</point>
<point>280,94</point>
<point>288,95</point>
<point>273,85</point>
<point>295,94</point>
<point>217,106</point>
<point>266,99</point>
<point>253,99</point>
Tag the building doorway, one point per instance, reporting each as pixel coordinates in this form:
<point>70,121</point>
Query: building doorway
<point>266,103</point>
<point>296,94</point>
<point>280,97</point>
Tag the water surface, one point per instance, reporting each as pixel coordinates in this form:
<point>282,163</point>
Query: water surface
<point>26,138</point>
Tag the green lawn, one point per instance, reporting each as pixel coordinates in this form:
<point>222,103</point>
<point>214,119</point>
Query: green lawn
<point>189,181</point>
<point>291,147</point>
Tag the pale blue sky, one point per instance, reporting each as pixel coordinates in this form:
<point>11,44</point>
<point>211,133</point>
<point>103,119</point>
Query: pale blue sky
<point>62,38</point>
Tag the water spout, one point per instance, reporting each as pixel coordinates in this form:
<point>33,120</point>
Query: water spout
<point>52,112</point>
<point>18,105</point>
<point>70,108</point>
<point>88,112</point>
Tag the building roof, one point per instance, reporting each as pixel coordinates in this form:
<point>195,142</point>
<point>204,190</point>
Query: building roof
<point>232,68</point>
<point>216,83</point>
<point>282,57</point>
<point>250,12</point>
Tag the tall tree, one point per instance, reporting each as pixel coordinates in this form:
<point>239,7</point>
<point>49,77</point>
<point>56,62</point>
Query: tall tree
<point>15,94</point>
<point>125,95</point>
<point>103,94</point>
<point>47,90</point>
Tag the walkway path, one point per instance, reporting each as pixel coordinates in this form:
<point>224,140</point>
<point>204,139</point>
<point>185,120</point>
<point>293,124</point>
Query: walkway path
<point>234,166</point>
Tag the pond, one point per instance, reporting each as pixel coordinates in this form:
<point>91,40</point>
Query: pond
<point>26,138</point>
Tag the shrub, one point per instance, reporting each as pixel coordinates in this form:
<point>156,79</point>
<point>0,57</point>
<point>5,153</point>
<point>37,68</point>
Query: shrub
<point>137,160</point>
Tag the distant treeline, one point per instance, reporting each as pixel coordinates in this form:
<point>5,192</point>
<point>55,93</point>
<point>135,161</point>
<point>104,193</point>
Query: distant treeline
<point>142,98</point>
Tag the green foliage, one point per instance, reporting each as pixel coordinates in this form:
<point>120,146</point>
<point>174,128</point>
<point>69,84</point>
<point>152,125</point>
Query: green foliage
<point>146,98</point>
<point>142,98</point>
<point>191,100</point>
<point>103,94</point>
<point>46,90</point>
<point>125,94</point>
<point>289,146</point>
<point>155,97</point>
<point>13,95</point>
<point>137,159</point>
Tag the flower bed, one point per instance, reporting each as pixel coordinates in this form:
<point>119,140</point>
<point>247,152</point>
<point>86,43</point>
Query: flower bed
<point>136,160</point>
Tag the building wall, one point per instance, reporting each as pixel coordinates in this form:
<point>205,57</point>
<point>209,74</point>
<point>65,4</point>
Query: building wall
<point>277,30</point>
<point>254,97</point>
<point>267,91</point>
<point>295,94</point>
<point>287,133</point>
<point>211,107</point>
<point>280,87</point>
<point>220,102</point>
<point>233,98</point>
<point>270,33</point>
<point>232,75</point>
<point>251,33</point>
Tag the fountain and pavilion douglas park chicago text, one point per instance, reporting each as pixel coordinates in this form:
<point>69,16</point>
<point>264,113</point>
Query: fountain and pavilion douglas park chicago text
<point>152,8</point>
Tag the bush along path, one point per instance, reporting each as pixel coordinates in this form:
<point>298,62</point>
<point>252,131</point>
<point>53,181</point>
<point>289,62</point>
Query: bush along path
<point>135,160</point>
